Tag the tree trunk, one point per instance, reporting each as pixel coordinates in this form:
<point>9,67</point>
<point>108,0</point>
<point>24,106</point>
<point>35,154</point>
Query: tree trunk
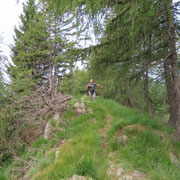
<point>171,93</point>
<point>50,78</point>
<point>129,101</point>
<point>171,68</point>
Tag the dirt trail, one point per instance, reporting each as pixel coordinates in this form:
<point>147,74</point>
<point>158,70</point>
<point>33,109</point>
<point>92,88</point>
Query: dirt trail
<point>115,171</point>
<point>104,132</point>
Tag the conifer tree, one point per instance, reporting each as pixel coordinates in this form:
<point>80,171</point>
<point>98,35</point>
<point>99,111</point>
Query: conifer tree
<point>30,52</point>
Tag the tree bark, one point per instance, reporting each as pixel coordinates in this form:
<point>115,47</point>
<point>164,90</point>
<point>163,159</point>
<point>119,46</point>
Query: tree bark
<point>129,101</point>
<point>171,68</point>
<point>171,93</point>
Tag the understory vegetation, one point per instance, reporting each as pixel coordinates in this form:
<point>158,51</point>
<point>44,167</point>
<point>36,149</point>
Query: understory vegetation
<point>82,151</point>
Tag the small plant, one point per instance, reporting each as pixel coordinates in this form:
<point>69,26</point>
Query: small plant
<point>5,156</point>
<point>86,167</point>
<point>61,134</point>
<point>39,142</point>
<point>52,122</point>
<point>2,177</point>
<point>114,145</point>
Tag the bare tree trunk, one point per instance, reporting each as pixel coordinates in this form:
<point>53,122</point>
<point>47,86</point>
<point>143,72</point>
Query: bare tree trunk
<point>129,101</point>
<point>171,94</point>
<point>171,68</point>
<point>50,77</point>
<point>55,81</point>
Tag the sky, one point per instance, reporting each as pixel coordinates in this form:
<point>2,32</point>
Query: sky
<point>10,11</point>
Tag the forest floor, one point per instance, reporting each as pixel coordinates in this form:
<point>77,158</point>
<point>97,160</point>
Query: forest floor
<point>101,140</point>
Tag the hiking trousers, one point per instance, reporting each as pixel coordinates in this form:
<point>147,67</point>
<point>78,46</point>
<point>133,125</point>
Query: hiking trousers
<point>92,96</point>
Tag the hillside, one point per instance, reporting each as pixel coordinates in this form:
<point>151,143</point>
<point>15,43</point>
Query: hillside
<point>100,140</point>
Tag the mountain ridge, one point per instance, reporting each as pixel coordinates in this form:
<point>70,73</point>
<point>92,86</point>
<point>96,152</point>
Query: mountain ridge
<point>100,140</point>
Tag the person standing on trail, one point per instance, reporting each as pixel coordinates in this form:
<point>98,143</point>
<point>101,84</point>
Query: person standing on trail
<point>91,89</point>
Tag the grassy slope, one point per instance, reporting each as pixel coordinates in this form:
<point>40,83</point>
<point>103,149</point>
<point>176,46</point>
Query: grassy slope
<point>83,153</point>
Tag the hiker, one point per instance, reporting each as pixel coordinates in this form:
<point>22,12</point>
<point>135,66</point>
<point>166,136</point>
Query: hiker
<point>91,89</point>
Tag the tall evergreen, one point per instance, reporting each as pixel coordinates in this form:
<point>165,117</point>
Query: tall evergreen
<point>30,51</point>
<point>42,49</point>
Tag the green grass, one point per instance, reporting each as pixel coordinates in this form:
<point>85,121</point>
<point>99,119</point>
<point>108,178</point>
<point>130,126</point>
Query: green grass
<point>145,151</point>
<point>3,176</point>
<point>86,167</point>
<point>83,154</point>
<point>10,170</point>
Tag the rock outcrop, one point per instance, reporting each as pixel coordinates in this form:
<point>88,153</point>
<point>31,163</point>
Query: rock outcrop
<point>115,171</point>
<point>80,108</point>
<point>76,177</point>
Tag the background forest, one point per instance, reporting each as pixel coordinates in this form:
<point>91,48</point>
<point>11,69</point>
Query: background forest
<point>136,58</point>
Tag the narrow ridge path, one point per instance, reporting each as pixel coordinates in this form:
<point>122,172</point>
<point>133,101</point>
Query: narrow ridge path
<point>103,132</point>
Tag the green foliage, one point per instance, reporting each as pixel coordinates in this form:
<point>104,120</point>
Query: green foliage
<point>37,151</point>
<point>76,83</point>
<point>144,151</point>
<point>158,95</point>
<point>39,142</point>
<point>3,177</point>
<point>3,87</point>
<point>8,128</point>
<point>124,50</point>
<point>127,62</point>
<point>82,152</point>
<point>85,167</point>
<point>37,49</point>
<point>30,51</point>
<point>83,147</point>
<point>5,154</point>
<point>92,6</point>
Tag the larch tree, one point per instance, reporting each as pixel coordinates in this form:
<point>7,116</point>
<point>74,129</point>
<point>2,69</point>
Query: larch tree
<point>142,33</point>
